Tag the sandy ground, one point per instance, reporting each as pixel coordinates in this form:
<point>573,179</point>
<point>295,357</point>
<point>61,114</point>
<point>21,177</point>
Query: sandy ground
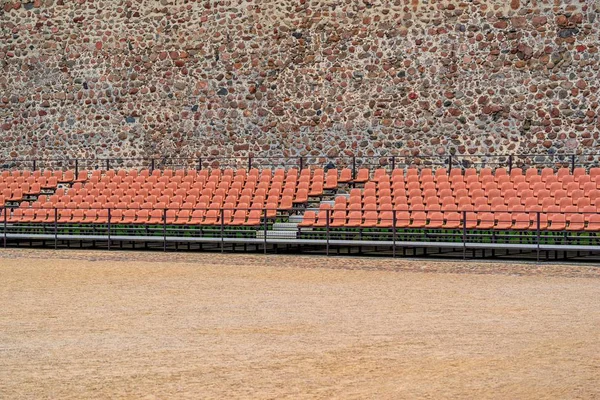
<point>79,325</point>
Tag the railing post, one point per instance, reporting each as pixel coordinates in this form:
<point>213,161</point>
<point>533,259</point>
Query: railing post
<point>301,163</point>
<point>464,238</point>
<point>108,164</point>
<point>55,228</point>
<point>76,168</point>
<point>249,163</point>
<point>5,209</point>
<point>538,236</point>
<point>353,167</point>
<point>109,218</point>
<point>265,231</point>
<point>164,229</point>
<point>449,163</point>
<point>199,163</point>
<point>222,231</point>
<point>327,227</point>
<point>572,163</point>
<point>394,233</point>
<point>152,164</point>
<point>34,165</point>
<point>393,163</point>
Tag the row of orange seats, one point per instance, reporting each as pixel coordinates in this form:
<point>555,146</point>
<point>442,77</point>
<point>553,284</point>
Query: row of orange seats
<point>208,217</point>
<point>501,184</point>
<point>552,221</point>
<point>483,174</point>
<point>39,176</point>
<point>315,188</point>
<point>284,203</point>
<point>496,206</point>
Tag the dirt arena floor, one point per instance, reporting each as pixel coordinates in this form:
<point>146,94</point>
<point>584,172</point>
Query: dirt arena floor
<point>80,325</point>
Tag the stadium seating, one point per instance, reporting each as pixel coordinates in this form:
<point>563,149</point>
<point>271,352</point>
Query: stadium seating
<point>485,199</point>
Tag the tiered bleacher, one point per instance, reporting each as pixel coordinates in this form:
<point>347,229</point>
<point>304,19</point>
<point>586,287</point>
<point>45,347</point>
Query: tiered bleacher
<point>562,200</point>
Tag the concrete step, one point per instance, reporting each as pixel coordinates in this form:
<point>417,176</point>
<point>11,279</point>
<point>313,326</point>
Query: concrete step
<point>296,218</point>
<point>285,226</point>
<point>276,234</point>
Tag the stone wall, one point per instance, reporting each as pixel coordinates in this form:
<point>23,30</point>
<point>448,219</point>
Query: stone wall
<point>100,78</point>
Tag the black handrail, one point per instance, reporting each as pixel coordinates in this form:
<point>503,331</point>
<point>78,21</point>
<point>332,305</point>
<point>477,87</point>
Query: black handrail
<point>571,161</point>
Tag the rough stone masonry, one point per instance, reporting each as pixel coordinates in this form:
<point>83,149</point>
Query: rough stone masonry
<point>130,78</point>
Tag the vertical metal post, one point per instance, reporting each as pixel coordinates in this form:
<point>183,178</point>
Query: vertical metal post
<point>249,163</point>
<point>5,209</point>
<point>327,227</point>
<point>55,228</point>
<point>464,238</point>
<point>301,163</point>
<point>164,229</point>
<point>76,168</point>
<point>393,163</point>
<point>107,164</point>
<point>538,236</point>
<point>152,164</point>
<point>34,165</point>
<point>199,163</point>
<point>265,231</point>
<point>109,218</point>
<point>572,163</point>
<point>394,233</point>
<point>510,163</point>
<point>222,232</point>
<point>353,167</point>
<point>449,163</point>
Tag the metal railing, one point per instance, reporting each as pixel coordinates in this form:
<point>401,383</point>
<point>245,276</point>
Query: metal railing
<point>395,229</point>
<point>354,162</point>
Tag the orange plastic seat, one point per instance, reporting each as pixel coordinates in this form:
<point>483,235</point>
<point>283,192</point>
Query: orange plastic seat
<point>78,216</point>
<point>253,218</point>
<point>102,217</point>
<point>64,216</point>
<point>197,216</point>
<point>345,175</point>
<point>486,221</point>
<point>593,224</point>
<point>436,220</point>
<point>521,221</point>
<point>338,218</point>
<point>362,175</point>
<point>576,222</point>
<point>418,219</point>
<point>155,217</point>
<point>316,189</point>
<point>90,216</point>
<point>370,219</point>
<point>301,196</point>
<point>354,219</point>
<point>28,215</point>
<point>211,217</point>
<point>384,219</point>
<point>308,219</point>
<point>557,222</point>
<point>453,220</point>
<point>142,216</point>
<point>503,221</point>
<point>471,220</point>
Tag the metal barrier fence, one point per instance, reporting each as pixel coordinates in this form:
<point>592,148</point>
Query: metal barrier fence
<point>449,162</point>
<point>529,230</point>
